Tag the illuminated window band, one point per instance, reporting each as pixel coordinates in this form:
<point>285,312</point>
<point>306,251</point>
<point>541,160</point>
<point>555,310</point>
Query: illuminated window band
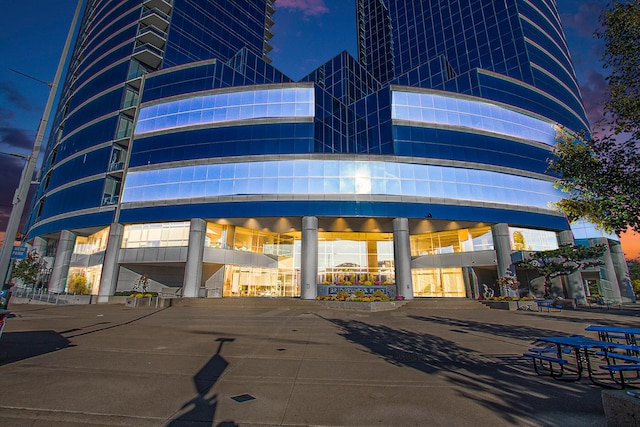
<point>318,177</point>
<point>227,107</point>
<point>429,108</point>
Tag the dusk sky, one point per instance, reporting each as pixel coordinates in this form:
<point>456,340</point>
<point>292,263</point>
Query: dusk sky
<point>306,34</point>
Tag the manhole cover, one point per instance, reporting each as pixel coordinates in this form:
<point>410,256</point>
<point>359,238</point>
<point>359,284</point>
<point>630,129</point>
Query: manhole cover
<point>243,398</point>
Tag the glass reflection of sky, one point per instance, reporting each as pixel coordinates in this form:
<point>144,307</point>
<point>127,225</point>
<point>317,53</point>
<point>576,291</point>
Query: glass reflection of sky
<point>226,107</point>
<point>318,177</point>
<point>587,230</point>
<point>442,110</point>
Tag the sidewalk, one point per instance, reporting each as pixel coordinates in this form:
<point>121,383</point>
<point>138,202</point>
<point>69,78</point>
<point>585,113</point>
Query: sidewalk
<point>288,362</point>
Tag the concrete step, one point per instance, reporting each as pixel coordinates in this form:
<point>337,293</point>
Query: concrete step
<point>244,302</point>
<point>445,303</point>
<point>247,302</point>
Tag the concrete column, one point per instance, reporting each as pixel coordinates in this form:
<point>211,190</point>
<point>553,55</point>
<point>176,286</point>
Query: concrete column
<point>574,285</point>
<point>402,257</point>
<point>60,271</point>
<point>502,246</point>
<point>309,258</point>
<point>195,252</point>
<point>40,246</point>
<point>565,238</point>
<point>622,273</point>
<point>608,279</point>
<point>110,266</point>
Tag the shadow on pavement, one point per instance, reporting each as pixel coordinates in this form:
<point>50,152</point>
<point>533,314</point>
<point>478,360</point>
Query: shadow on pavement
<point>16,346</point>
<point>526,333</point>
<point>505,386</point>
<point>201,410</point>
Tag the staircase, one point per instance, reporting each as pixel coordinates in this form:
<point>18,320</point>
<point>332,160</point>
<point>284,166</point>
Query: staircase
<point>445,304</point>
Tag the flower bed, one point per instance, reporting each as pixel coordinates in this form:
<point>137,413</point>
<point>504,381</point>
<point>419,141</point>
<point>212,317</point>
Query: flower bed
<point>361,305</point>
<point>358,290</point>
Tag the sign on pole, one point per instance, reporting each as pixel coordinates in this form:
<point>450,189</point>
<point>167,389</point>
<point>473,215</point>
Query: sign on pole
<point>19,252</point>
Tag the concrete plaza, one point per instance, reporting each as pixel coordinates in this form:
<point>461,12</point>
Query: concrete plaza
<point>258,362</point>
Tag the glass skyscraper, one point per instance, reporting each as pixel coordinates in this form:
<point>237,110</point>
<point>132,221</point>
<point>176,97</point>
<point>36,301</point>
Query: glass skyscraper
<point>180,152</point>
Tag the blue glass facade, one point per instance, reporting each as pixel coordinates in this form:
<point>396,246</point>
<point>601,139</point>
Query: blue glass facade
<point>171,111</point>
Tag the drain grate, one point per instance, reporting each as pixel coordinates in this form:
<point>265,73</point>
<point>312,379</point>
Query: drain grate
<point>243,398</point>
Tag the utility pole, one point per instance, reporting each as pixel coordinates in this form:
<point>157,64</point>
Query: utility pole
<point>22,191</point>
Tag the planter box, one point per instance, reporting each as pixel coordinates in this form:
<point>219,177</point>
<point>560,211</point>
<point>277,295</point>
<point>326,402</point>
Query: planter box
<point>363,306</point>
<point>510,305</point>
<point>141,302</point>
<point>324,290</point>
<point>118,299</point>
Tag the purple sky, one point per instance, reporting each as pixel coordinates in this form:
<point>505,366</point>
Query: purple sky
<point>306,34</point>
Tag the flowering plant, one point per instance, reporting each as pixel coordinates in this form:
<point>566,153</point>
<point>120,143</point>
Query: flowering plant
<point>508,281</point>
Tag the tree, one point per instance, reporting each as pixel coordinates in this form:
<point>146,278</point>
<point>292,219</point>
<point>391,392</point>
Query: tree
<point>600,172</point>
<point>634,269</point>
<point>563,261</point>
<point>634,273</point>
<point>78,285</point>
<point>141,284</point>
<point>28,269</point>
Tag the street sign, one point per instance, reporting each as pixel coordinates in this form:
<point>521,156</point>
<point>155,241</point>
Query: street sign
<point>19,252</point>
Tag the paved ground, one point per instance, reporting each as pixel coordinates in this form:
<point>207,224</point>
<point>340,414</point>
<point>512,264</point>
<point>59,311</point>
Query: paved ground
<point>297,363</point>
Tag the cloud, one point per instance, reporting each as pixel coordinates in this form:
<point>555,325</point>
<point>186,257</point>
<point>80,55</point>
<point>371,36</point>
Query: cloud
<point>586,19</point>
<point>10,171</point>
<point>308,7</point>
<point>14,97</point>
<point>594,95</point>
<point>15,138</point>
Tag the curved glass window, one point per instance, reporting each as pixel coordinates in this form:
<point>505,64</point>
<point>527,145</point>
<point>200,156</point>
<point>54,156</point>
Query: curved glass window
<point>526,239</point>
<point>443,110</point>
<point>156,235</point>
<point>226,107</point>
<point>318,177</point>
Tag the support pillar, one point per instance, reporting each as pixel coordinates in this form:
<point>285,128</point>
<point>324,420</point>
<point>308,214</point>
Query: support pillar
<point>502,246</point>
<point>309,258</point>
<point>574,285</point>
<point>195,252</point>
<point>60,271</point>
<point>608,280</point>
<point>402,257</point>
<point>622,272</point>
<point>110,266</point>
<point>40,246</point>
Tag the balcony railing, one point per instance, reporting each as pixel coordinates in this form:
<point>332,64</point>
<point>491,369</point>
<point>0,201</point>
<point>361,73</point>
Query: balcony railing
<point>163,5</point>
<point>148,54</point>
<point>152,35</point>
<point>108,200</point>
<point>156,18</point>
<point>116,166</point>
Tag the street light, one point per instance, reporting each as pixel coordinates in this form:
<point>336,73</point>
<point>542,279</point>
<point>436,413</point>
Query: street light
<point>22,191</point>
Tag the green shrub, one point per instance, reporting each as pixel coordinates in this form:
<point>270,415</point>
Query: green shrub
<point>78,285</point>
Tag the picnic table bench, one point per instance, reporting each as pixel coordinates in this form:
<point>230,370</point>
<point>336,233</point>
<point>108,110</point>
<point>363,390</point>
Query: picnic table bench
<point>548,304</point>
<point>576,354</point>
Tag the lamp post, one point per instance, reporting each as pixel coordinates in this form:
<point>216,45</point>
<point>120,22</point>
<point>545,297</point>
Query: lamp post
<point>22,191</point>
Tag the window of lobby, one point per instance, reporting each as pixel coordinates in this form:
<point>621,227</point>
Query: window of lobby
<point>438,282</point>
<point>452,241</point>
<point>246,281</point>
<point>258,281</point>
<point>343,256</point>
<point>155,235</point>
<point>97,242</point>
<point>355,257</point>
